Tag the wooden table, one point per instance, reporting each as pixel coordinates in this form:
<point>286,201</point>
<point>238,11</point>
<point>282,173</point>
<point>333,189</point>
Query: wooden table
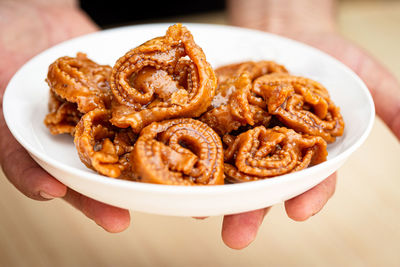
<point>358,227</point>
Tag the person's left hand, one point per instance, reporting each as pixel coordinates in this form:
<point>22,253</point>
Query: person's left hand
<point>239,230</point>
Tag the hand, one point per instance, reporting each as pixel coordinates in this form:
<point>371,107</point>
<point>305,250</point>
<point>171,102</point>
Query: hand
<point>239,230</point>
<point>292,18</point>
<point>42,26</point>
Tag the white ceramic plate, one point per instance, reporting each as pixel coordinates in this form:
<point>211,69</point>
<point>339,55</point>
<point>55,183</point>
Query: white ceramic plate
<point>25,106</point>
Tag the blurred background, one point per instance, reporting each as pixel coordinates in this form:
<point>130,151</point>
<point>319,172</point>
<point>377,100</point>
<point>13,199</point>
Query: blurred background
<point>358,227</point>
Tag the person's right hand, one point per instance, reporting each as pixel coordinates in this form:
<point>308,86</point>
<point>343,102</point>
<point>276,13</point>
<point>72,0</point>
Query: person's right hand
<point>26,28</point>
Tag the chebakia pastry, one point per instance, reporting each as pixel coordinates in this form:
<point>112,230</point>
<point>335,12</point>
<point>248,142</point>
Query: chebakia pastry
<point>103,147</point>
<point>233,109</point>
<point>179,152</point>
<point>80,80</point>
<point>162,115</point>
<point>260,153</point>
<point>301,104</point>
<point>166,77</point>
<point>254,69</point>
<point>252,96</point>
<point>77,86</point>
<point>63,115</point>
<point>230,108</point>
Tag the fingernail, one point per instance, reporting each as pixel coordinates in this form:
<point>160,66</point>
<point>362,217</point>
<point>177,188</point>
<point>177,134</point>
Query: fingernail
<point>200,218</point>
<point>314,213</point>
<point>46,195</point>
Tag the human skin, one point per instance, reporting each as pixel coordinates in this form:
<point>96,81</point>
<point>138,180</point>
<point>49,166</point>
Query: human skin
<point>27,27</point>
<point>312,22</point>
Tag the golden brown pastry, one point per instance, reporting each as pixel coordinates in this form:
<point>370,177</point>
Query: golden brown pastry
<point>230,108</point>
<point>178,152</point>
<point>80,80</point>
<point>63,116</point>
<point>103,147</point>
<point>166,77</point>
<point>237,111</point>
<point>301,104</point>
<point>77,86</point>
<point>254,69</point>
<point>167,93</point>
<point>261,153</point>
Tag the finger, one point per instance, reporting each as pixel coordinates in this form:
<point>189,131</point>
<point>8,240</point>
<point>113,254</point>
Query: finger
<point>384,86</point>
<point>302,207</point>
<point>385,89</point>
<point>112,219</point>
<point>239,230</point>
<point>28,177</point>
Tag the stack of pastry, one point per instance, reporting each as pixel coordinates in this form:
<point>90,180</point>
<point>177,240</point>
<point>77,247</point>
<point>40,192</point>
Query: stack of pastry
<point>163,115</point>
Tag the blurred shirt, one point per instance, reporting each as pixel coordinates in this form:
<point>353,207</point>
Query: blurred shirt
<point>117,12</point>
